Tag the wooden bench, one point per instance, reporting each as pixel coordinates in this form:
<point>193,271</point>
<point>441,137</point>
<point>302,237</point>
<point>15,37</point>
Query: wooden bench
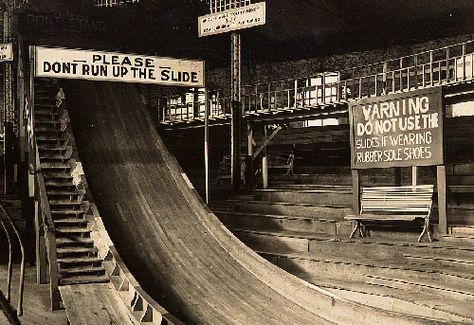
<point>282,162</point>
<point>400,203</point>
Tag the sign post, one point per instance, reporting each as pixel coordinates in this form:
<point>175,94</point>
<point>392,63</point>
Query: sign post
<point>240,15</point>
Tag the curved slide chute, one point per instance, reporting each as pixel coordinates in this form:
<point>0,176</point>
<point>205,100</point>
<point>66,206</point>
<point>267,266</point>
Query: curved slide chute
<point>176,248</point>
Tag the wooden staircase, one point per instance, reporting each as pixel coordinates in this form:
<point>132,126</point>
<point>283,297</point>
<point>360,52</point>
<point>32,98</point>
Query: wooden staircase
<point>77,257</point>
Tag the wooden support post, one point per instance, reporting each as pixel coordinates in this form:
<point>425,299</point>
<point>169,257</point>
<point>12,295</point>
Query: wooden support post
<point>448,57</point>
<point>384,78</point>
<point>235,155</point>
<point>414,176</point>
<point>401,74</point>
<point>464,61</point>
<point>431,68</point>
<point>442,199</point>
<point>264,161</point>
<point>196,105</point>
<point>236,112</point>
<point>398,176</point>
<point>206,142</point>
<point>356,191</point>
<point>295,93</point>
<point>249,164</point>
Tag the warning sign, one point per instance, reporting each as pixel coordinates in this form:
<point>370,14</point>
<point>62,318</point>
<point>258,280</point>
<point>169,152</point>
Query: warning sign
<point>397,130</point>
<point>110,66</point>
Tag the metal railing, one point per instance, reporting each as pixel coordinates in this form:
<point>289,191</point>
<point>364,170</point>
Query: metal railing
<point>8,235</point>
<point>443,66</point>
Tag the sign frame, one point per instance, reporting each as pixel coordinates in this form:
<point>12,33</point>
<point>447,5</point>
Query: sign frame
<point>171,63</point>
<point>225,16</point>
<point>437,94</point>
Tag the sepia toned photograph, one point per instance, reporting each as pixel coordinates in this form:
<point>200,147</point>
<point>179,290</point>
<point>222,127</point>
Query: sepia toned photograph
<point>236,162</point>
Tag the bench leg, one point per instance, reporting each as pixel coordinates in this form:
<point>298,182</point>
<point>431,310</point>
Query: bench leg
<point>356,227</point>
<point>426,230</point>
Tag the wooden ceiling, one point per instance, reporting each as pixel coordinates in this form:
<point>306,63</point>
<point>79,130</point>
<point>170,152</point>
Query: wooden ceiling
<point>294,29</point>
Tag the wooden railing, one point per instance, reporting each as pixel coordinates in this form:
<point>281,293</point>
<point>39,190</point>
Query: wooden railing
<point>443,66</point>
<point>46,222</point>
<point>10,263</point>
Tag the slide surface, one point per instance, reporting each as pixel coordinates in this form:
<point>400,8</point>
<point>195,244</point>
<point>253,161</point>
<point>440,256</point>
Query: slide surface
<point>173,244</point>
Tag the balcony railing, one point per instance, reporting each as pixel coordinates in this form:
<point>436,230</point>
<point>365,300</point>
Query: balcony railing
<point>447,65</point>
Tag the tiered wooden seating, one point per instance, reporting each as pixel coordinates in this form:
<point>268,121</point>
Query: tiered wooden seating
<point>398,203</point>
<point>171,242</point>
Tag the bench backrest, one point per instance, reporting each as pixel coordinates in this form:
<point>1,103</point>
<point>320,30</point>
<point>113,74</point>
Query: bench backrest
<point>397,199</point>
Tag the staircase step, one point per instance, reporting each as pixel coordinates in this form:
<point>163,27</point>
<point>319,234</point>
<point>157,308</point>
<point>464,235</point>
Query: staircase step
<point>82,279</point>
<point>76,250</point>
<point>63,193</point>
<point>65,203</point>
<point>72,231</point>
<point>79,260</point>
<point>60,184</point>
<point>73,241</point>
<point>86,269</point>
<point>51,148</point>
<point>50,175</point>
<point>70,222</point>
<point>45,105</point>
<point>55,165</point>
<point>66,213</point>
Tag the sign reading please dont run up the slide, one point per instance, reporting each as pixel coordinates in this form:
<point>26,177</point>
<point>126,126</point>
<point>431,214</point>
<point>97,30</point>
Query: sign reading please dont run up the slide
<point>120,67</point>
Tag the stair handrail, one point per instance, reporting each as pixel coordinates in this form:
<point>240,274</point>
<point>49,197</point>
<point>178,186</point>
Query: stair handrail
<point>22,264</point>
<point>49,233</point>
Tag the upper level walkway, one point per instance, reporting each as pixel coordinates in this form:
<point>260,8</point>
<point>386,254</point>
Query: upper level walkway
<point>328,93</point>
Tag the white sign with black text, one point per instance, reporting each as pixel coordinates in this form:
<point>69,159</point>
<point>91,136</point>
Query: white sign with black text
<point>6,52</point>
<point>233,19</point>
<point>110,66</point>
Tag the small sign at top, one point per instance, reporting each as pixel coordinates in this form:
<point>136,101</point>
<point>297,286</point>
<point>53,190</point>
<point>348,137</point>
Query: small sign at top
<point>6,52</point>
<point>233,19</point>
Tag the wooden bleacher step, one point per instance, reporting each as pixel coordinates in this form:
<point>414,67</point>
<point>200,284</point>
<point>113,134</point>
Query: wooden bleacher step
<point>420,286</point>
<point>411,302</point>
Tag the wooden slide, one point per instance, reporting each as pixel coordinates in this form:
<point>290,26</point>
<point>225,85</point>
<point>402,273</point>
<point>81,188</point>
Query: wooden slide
<point>173,244</point>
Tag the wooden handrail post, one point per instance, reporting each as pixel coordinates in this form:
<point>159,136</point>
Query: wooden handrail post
<point>295,95</point>
<point>431,68</point>
<point>53,268</point>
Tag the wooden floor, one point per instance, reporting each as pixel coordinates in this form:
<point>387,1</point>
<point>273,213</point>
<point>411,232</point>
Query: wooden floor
<point>176,248</point>
<point>95,303</point>
<point>36,299</point>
